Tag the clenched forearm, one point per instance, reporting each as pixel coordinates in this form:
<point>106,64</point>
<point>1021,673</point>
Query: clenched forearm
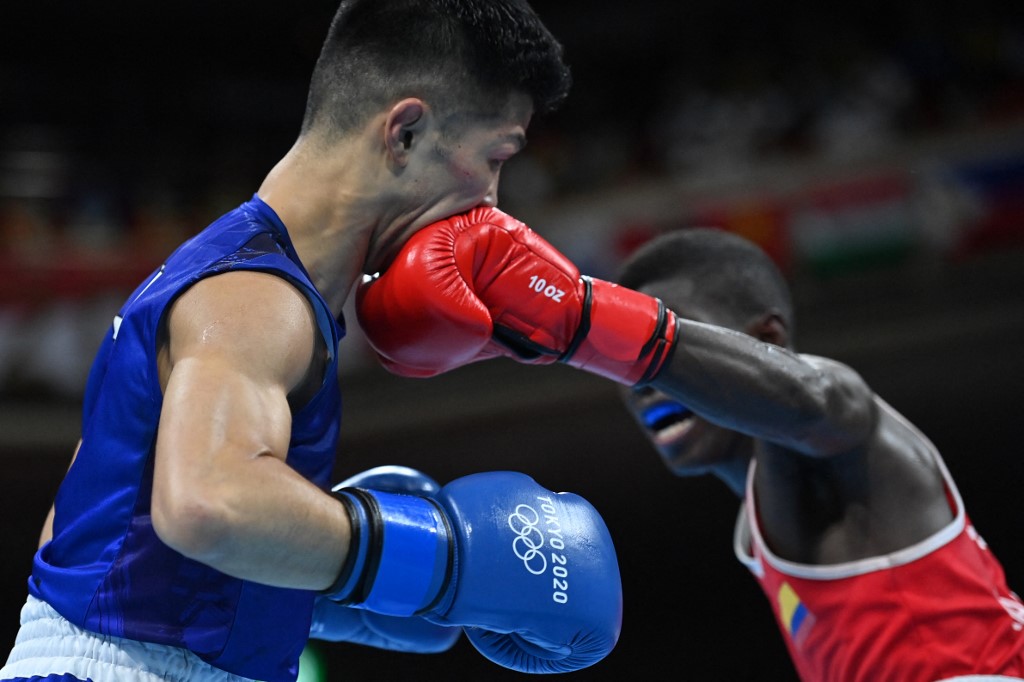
<point>266,524</point>
<point>811,405</point>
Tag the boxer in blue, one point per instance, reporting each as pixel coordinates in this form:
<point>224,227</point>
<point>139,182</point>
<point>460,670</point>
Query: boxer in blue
<point>194,531</point>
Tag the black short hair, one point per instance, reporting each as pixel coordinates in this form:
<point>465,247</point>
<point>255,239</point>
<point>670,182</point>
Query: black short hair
<point>472,52</point>
<point>728,273</point>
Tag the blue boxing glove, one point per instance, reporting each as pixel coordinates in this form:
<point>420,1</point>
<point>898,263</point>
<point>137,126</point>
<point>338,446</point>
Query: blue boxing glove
<point>531,574</point>
<point>334,622</point>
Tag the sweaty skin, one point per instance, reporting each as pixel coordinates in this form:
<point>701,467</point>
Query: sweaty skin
<point>840,476</point>
<point>240,352</point>
<point>230,363</point>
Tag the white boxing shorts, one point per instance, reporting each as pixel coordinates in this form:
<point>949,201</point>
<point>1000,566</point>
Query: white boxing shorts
<point>49,645</point>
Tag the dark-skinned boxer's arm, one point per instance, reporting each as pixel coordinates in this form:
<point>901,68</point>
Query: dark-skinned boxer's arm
<point>483,285</point>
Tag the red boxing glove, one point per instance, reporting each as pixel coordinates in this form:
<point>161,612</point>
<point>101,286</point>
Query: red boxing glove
<point>483,284</point>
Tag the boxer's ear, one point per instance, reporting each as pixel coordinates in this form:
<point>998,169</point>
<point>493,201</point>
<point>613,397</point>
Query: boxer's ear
<point>770,328</point>
<point>403,126</point>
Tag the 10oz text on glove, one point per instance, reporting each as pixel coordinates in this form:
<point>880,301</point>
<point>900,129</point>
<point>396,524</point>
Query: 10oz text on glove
<point>541,286</point>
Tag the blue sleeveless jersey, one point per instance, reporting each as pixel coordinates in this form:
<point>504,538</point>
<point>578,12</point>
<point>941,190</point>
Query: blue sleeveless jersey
<point>105,569</point>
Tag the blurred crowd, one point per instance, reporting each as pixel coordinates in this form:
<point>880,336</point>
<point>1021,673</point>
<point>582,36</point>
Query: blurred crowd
<point>832,139</point>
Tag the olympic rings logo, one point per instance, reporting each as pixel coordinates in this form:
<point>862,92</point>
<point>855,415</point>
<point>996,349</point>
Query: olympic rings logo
<point>529,539</point>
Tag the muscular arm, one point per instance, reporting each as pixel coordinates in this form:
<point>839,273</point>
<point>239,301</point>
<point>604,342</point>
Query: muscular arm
<point>805,403</point>
<point>222,492</point>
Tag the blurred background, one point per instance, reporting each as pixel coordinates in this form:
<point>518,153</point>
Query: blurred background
<point>874,149</point>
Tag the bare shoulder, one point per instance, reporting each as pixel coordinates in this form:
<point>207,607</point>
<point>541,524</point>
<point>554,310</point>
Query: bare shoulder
<point>829,365</point>
<point>875,499</point>
<point>900,440</point>
<point>252,319</point>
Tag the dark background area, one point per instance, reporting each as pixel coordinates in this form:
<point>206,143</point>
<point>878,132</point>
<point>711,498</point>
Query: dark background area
<point>120,107</point>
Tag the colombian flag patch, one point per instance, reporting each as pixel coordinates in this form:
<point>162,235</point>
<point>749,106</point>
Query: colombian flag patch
<point>794,614</point>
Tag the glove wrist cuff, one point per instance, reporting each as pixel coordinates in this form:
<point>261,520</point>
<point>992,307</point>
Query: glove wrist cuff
<point>400,556</point>
<point>624,335</point>
<point>346,585</point>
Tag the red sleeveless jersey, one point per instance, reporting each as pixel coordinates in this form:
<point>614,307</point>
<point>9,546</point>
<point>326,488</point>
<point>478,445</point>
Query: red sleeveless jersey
<point>937,609</point>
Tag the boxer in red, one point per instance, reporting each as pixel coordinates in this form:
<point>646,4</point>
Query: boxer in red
<point>849,521</point>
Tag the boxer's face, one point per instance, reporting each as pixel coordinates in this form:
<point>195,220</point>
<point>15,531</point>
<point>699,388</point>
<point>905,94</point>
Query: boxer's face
<point>466,158</point>
<point>454,165</point>
<point>688,444</point>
